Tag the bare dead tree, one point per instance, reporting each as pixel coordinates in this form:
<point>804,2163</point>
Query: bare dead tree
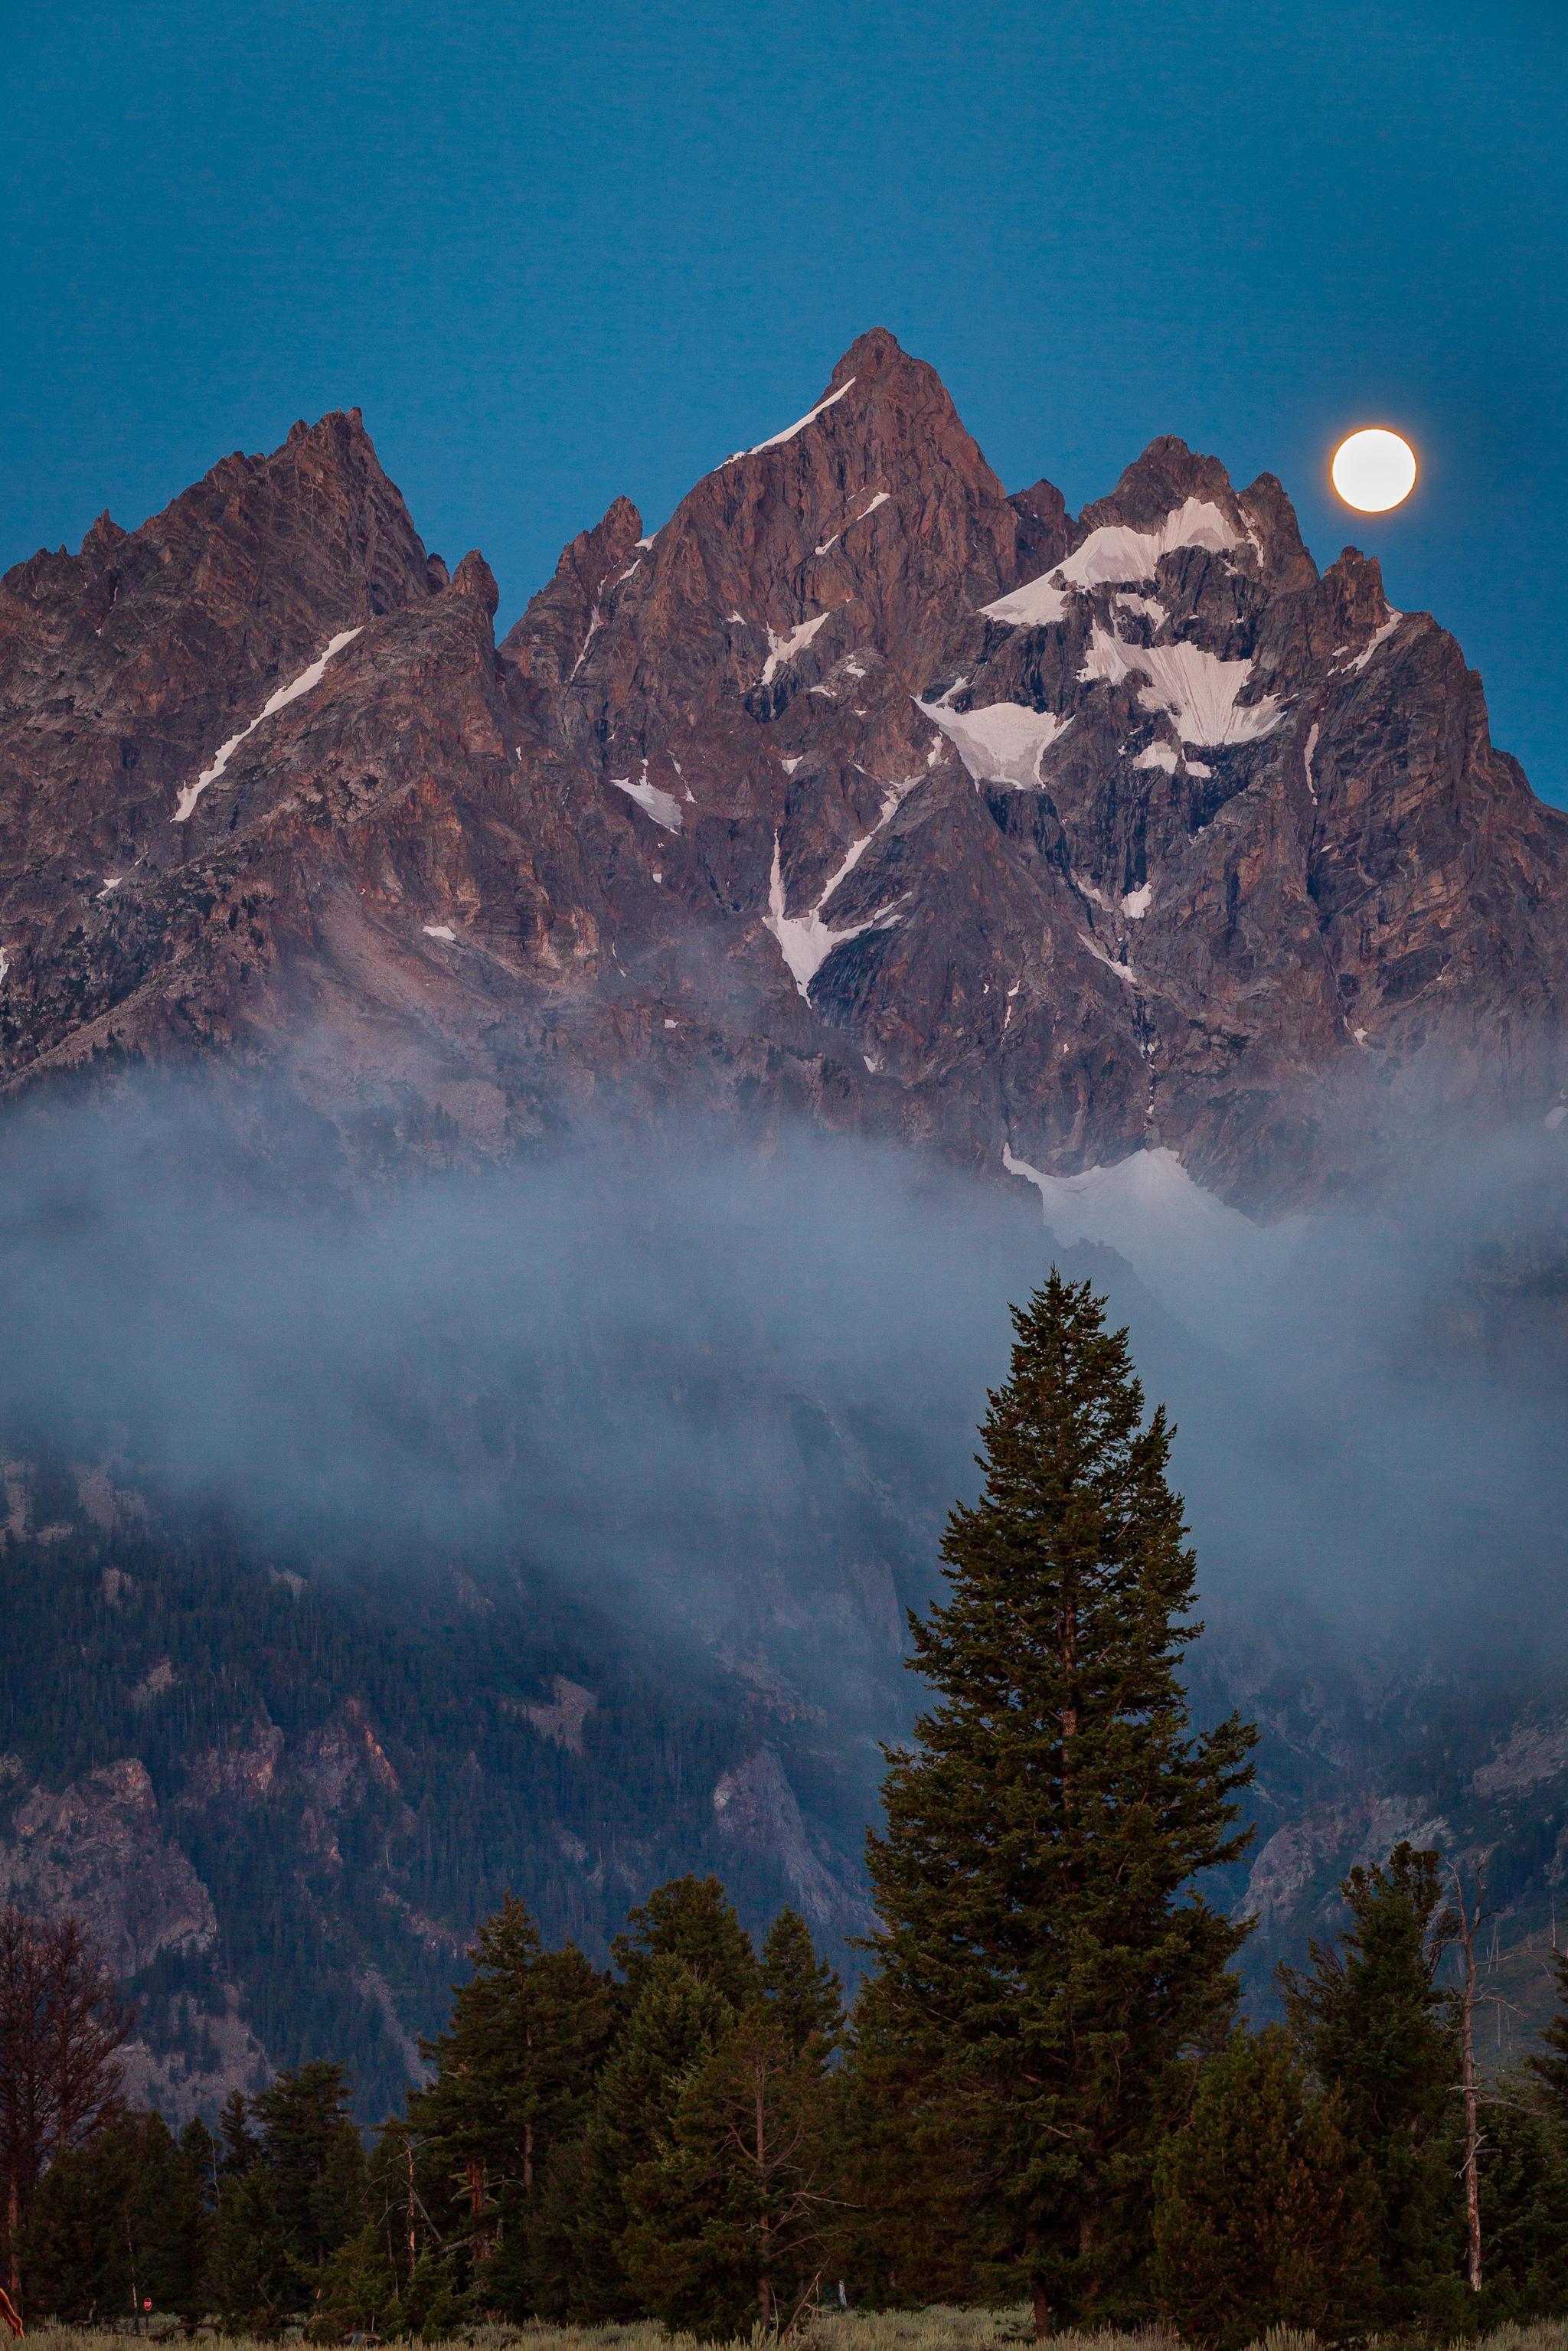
<point>62,2025</point>
<point>1467,1919</point>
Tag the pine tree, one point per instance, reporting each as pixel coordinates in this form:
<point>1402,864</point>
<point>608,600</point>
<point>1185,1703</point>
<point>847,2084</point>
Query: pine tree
<point>675,2020</point>
<point>76,2252</point>
<point>313,2149</point>
<point>691,1919</point>
<point>202,2158</point>
<point>119,2223</point>
<point>1376,2029</point>
<point>1524,2206</point>
<point>241,2146</point>
<point>1549,2070</point>
<point>1262,2217</point>
<point>734,2217</point>
<point>801,1991</point>
<point>171,2216</point>
<point>256,2282</point>
<point>1040,1932</point>
<point>357,2289</point>
<point>915,2221</point>
<point>514,2072</point>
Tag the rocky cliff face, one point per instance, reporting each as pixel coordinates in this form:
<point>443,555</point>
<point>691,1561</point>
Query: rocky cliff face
<point>861,789</point>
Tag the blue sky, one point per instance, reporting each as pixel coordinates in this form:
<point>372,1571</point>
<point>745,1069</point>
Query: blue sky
<point>558,252</point>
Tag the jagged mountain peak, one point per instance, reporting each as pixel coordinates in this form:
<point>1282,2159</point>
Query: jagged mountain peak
<point>859,784</point>
<point>544,643</point>
<point>1161,478</point>
<point>475,578</point>
<point>876,353</point>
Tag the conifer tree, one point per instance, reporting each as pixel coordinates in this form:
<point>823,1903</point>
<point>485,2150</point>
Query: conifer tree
<point>1548,2068</point>
<point>236,2133</point>
<point>675,2020</point>
<point>733,2216</point>
<point>315,2158</point>
<point>1378,2031</point>
<point>356,2289</point>
<point>802,1993</point>
<point>1524,2203</point>
<point>202,2158</point>
<point>256,2282</point>
<point>514,2071</point>
<point>1039,1934</point>
<point>118,2222</point>
<point>1262,2216</point>
<point>915,2221</point>
<point>691,1919</point>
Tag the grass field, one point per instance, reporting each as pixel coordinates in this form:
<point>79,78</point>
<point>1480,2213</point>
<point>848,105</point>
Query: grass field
<point>887,2330</point>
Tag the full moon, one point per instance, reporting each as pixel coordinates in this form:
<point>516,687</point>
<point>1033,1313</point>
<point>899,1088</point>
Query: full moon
<point>1374,470</point>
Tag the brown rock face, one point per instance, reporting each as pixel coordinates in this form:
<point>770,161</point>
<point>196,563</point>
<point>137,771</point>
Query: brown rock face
<point>98,1851</point>
<point>858,789</point>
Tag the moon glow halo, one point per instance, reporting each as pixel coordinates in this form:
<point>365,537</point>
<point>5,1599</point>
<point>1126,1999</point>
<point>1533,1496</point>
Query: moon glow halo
<point>1374,470</point>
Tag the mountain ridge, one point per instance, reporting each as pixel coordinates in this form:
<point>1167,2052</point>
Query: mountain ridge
<point>1066,878</point>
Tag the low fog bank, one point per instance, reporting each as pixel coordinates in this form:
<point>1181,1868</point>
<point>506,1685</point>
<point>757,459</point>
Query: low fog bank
<point>733,1391</point>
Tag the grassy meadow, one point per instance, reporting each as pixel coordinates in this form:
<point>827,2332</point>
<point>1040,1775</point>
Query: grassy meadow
<point>830,2330</point>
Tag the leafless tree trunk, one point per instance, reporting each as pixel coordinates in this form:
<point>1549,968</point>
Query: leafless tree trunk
<point>1468,1921</point>
<point>61,2027</point>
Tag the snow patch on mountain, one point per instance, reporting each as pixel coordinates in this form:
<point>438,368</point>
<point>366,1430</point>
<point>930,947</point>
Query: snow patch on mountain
<point>777,440</point>
<point>663,806</point>
<point>1381,637</point>
<point>806,941</point>
<point>782,649</point>
<point>1036,605</point>
<point>1149,607</point>
<point>1003,743</point>
<point>285,695</point>
<point>1196,689</point>
<point>1114,552</point>
<point>1123,971</point>
<point>1207,1263</point>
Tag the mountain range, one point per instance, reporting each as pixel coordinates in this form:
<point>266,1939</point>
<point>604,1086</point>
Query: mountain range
<point>862,799</point>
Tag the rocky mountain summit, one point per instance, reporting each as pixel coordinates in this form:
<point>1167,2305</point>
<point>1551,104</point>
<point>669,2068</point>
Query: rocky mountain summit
<point>861,790</point>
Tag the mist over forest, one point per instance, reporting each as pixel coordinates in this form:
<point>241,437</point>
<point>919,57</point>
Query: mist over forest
<point>700,1381</point>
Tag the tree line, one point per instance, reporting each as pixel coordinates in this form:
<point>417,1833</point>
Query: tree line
<point>1044,2089</point>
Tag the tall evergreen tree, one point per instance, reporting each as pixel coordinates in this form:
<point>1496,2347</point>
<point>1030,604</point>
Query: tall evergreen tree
<point>915,2225</point>
<point>238,2136</point>
<point>1262,2215</point>
<point>1524,2207</point>
<point>677,2020</point>
<point>313,2149</point>
<point>691,1919</point>
<point>1039,1930</point>
<point>256,2282</point>
<point>802,1993</point>
<point>514,2072</point>
<point>735,2215</point>
<point>1378,2031</point>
